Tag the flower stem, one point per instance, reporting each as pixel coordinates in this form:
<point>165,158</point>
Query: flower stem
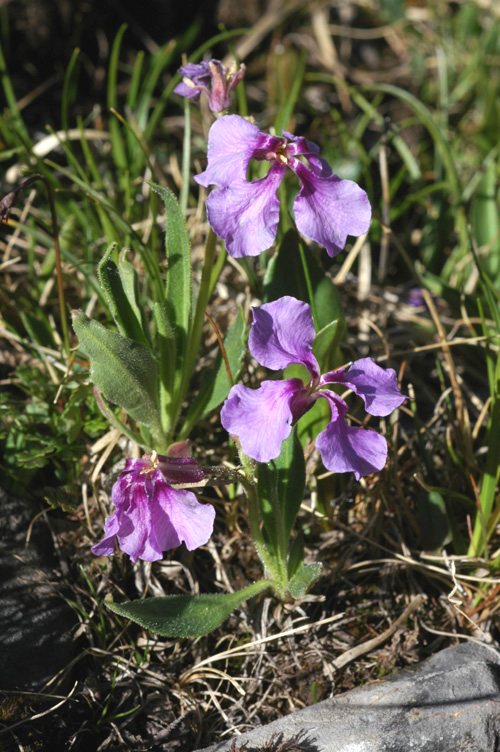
<point>186,158</point>
<point>310,290</point>
<point>270,561</point>
<point>281,554</point>
<point>217,268</point>
<point>199,316</point>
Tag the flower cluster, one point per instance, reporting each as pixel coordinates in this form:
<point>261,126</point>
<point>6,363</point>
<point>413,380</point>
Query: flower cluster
<point>212,78</point>
<point>246,213</point>
<point>154,511</point>
<point>282,333</point>
<point>150,515</point>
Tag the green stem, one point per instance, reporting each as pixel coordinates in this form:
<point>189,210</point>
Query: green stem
<point>168,353</point>
<point>310,291</point>
<point>282,543</point>
<point>201,304</point>
<point>115,422</point>
<point>489,485</point>
<point>218,267</point>
<point>186,158</point>
<point>265,555</point>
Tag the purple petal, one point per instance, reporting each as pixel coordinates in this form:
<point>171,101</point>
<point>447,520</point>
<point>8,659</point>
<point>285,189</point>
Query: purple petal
<point>133,466</point>
<point>151,517</point>
<point>348,449</point>
<point>235,75</point>
<point>180,469</point>
<point>377,387</point>
<point>192,522</point>
<point>195,71</point>
<point>106,546</point>
<point>262,418</point>
<point>328,209</point>
<point>282,333</point>
<point>219,98</point>
<point>137,536</point>
<point>310,151</point>
<point>232,143</point>
<point>122,493</point>
<point>211,77</point>
<point>191,92</point>
<point>246,215</point>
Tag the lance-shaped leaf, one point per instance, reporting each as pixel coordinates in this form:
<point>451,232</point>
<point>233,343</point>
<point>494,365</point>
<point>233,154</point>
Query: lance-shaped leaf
<point>124,371</point>
<point>281,485</point>
<point>326,345</point>
<point>178,296</point>
<point>185,615</point>
<point>303,579</point>
<point>130,283</point>
<point>177,301</point>
<point>286,275</point>
<point>485,216</point>
<point>127,318</point>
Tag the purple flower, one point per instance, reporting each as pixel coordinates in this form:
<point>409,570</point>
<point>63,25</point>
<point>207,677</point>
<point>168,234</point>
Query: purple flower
<point>211,77</point>
<point>150,516</point>
<point>246,214</point>
<point>282,333</point>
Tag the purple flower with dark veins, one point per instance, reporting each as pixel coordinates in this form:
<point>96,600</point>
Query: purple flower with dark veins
<point>212,77</point>
<point>150,516</point>
<point>246,213</point>
<point>282,333</point>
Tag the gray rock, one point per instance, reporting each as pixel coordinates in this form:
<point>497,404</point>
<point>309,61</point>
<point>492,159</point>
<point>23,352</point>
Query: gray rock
<point>35,624</point>
<point>449,703</point>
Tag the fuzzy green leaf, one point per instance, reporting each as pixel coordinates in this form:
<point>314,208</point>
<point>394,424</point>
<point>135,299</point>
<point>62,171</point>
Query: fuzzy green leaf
<point>130,283</point>
<point>326,344</point>
<point>303,579</point>
<point>281,485</point>
<point>118,301</point>
<point>485,217</point>
<point>123,370</point>
<point>178,290</point>
<point>185,615</point>
<point>435,528</point>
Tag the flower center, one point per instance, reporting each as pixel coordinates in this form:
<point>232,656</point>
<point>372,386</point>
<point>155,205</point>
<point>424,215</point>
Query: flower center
<point>153,463</point>
<point>280,154</point>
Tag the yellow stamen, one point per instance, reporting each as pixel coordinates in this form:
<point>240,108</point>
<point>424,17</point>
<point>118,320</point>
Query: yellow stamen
<point>153,462</point>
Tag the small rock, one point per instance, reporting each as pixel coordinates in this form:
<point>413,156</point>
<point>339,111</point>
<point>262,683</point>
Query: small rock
<point>449,703</point>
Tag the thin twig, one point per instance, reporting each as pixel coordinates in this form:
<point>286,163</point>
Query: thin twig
<point>376,642</point>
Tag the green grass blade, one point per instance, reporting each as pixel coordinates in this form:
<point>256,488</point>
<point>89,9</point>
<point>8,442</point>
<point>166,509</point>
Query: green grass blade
<point>67,93</point>
<point>286,111</point>
<point>117,143</point>
<point>427,119</point>
<point>11,100</point>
